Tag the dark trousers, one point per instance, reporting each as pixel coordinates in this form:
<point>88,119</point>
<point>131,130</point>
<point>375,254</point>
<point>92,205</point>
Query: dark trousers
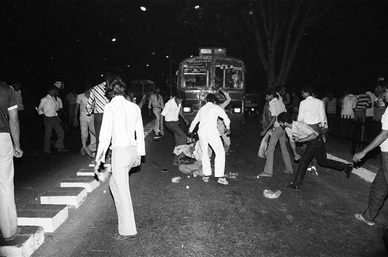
<point>315,148</point>
<point>379,190</point>
<point>97,126</point>
<point>180,135</point>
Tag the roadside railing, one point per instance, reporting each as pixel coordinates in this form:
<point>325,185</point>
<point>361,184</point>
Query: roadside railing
<point>358,133</point>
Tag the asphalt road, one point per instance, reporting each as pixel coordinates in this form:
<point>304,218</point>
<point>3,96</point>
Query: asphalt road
<point>208,219</point>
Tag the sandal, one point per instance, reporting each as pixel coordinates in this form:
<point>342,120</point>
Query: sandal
<point>223,181</point>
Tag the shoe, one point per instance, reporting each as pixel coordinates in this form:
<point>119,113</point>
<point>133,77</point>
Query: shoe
<point>223,181</point>
<point>18,229</point>
<point>294,186</point>
<point>288,172</point>
<point>82,151</point>
<point>348,170</point>
<point>62,150</point>
<point>361,218</point>
<point>205,179</point>
<point>117,236</point>
<point>47,152</point>
<point>89,152</point>
<point>313,170</point>
<point>263,174</point>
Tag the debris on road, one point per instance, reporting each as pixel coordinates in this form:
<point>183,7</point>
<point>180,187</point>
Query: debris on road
<point>271,194</point>
<point>176,179</point>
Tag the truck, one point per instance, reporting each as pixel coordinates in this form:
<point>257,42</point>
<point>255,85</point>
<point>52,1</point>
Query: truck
<point>212,72</point>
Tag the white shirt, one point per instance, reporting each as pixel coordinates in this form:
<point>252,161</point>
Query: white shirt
<point>312,111</point>
<point>300,130</point>
<point>49,106</point>
<point>156,101</point>
<point>171,110</point>
<point>384,126</point>
<point>207,117</point>
<point>121,123</point>
<point>275,108</point>
<point>349,102</point>
<point>82,101</point>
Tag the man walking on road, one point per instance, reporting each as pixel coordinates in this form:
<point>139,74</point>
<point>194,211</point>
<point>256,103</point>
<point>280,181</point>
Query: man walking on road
<point>95,105</point>
<point>275,108</point>
<point>379,189</point>
<point>208,134</point>
<point>9,147</point>
<point>48,107</point>
<point>156,105</point>
<point>123,126</point>
<point>299,131</point>
<point>86,124</point>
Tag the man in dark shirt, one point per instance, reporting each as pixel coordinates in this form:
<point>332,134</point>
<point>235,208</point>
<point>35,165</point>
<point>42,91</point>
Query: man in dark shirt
<point>9,147</point>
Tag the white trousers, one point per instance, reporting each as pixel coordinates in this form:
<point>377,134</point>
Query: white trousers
<point>8,216</point>
<point>212,138</point>
<point>123,159</point>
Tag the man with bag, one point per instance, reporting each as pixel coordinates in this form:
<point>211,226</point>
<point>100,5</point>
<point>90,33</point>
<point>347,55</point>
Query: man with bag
<point>275,108</point>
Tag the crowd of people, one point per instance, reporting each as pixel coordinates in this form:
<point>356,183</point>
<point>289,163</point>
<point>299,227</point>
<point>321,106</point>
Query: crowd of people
<point>111,128</point>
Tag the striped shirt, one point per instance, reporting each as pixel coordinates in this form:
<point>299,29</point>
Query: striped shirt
<point>363,102</point>
<point>97,99</point>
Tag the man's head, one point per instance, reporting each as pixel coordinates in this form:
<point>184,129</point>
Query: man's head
<point>179,97</point>
<point>306,92</point>
<point>53,91</point>
<point>114,86</point>
<point>270,94</point>
<point>284,119</point>
<point>211,98</point>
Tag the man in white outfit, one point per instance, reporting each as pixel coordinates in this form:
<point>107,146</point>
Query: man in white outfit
<point>156,105</point>
<point>209,135</point>
<point>122,126</point>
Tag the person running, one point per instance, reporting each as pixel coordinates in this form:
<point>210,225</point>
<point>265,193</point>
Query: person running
<point>122,125</point>
<point>299,131</point>
<point>209,135</point>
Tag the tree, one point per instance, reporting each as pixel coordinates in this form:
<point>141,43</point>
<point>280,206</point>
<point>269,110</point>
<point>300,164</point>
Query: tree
<point>278,26</point>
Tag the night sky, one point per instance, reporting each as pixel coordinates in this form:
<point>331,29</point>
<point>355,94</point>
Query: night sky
<point>77,41</point>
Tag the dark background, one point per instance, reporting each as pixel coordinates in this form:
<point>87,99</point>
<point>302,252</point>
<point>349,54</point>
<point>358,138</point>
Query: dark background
<point>45,41</point>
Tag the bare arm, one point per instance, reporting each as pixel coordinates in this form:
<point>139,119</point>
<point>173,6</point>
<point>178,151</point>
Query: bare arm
<point>380,138</point>
<point>15,131</point>
<point>273,119</point>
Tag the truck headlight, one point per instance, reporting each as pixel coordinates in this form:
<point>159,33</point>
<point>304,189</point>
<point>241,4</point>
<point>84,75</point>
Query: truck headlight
<point>187,109</point>
<point>237,110</point>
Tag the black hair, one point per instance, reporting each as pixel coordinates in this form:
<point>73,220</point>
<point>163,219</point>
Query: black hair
<point>180,94</point>
<point>284,117</point>
<point>308,90</point>
<point>212,98</point>
<point>115,86</point>
<point>271,91</point>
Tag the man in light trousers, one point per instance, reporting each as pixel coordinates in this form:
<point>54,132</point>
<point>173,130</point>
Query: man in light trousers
<point>122,126</point>
<point>9,147</point>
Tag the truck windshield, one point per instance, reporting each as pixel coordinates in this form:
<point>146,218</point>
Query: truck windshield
<point>195,76</point>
